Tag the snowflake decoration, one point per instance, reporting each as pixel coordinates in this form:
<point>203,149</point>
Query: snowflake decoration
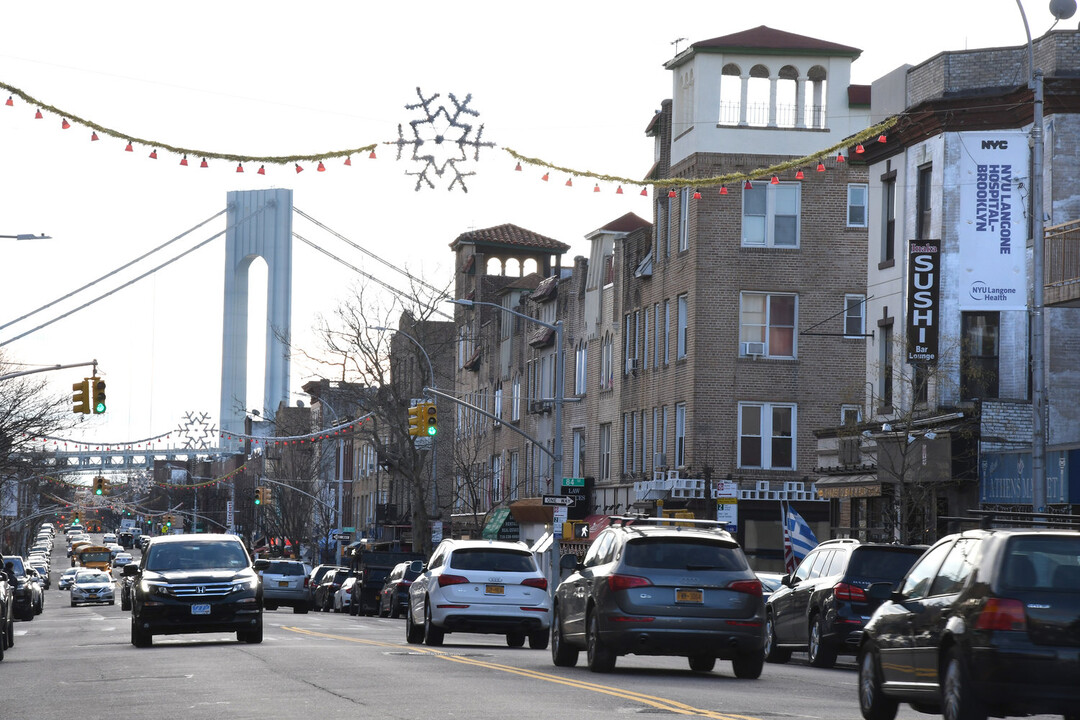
<point>441,140</point>
<point>197,432</point>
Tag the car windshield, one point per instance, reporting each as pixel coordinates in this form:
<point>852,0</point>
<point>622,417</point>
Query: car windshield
<point>91,576</point>
<point>1044,562</point>
<point>492,559</point>
<point>196,556</point>
<point>683,552</point>
<point>885,563</point>
<point>17,565</point>
<point>285,568</point>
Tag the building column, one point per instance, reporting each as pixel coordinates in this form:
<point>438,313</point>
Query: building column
<point>800,101</point>
<point>744,93</point>
<point>772,101</point>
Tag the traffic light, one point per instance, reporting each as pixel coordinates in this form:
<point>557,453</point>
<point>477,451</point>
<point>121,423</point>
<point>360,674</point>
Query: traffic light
<point>416,427</point>
<point>258,496</point>
<point>81,397</point>
<point>268,496</point>
<point>431,421</point>
<point>97,385</point>
<point>99,485</point>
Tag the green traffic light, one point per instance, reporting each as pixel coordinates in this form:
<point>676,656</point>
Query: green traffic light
<point>98,491</point>
<point>431,430</point>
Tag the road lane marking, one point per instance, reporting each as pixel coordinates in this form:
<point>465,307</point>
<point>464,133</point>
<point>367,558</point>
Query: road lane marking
<point>651,700</point>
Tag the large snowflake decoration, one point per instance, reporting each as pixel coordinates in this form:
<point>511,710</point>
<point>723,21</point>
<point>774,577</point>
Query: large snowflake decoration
<point>442,140</point>
<point>197,432</point>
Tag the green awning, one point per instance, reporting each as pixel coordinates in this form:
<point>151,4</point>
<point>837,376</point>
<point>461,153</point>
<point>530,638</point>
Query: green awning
<point>495,522</point>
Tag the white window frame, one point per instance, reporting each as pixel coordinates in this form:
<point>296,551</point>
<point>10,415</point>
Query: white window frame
<point>512,473</point>
<point>581,364</point>
<point>682,331</point>
<point>515,399</point>
<point>765,417</point>
<point>769,323</point>
<point>854,190</point>
<point>645,340</point>
<point>855,311</point>
<point>604,446</point>
<point>578,462</point>
<point>680,435</point>
<point>496,480</point>
<point>607,362</point>
<point>659,336</point>
<point>770,215</point>
<point>627,446</point>
<point>684,219</point>
<point>667,332</point>
<point>496,410</point>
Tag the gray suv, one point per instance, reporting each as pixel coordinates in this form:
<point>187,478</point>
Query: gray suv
<point>285,582</point>
<point>660,587</point>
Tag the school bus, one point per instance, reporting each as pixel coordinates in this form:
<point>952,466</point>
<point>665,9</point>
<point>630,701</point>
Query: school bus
<point>95,556</point>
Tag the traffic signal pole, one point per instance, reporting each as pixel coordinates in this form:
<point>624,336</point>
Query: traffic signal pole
<point>48,369</point>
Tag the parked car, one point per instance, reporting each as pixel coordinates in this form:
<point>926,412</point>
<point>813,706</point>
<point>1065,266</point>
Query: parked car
<point>650,588</point>
<point>343,598</point>
<point>331,583</point>
<point>92,586</point>
<point>316,577</point>
<point>29,597</point>
<point>479,586</point>
<point>285,582</point>
<point>987,622</point>
<point>66,578</point>
<point>195,584</point>
<point>822,606</point>
<point>7,614</point>
<point>43,572</point>
<point>394,596</point>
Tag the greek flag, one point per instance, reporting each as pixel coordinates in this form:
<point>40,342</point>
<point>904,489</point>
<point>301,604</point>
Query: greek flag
<point>799,539</point>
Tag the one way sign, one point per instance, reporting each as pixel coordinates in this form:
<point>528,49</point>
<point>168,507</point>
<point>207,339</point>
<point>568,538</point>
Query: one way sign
<point>558,500</point>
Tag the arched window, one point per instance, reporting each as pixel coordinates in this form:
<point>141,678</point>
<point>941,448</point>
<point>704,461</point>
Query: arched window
<point>815,106</point>
<point>730,95</point>
<point>494,266</point>
<point>787,96</point>
<point>758,96</point>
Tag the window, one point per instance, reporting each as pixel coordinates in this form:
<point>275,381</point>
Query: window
<point>680,435</point>
<point>767,436</point>
<point>885,361</point>
<point>607,362</point>
<point>604,471</point>
<point>515,399</point>
<point>921,575</point>
<point>497,409</point>
<point>663,212</point>
<point>681,337</point>
<point>667,330</point>
<point>684,219</point>
<point>512,473</point>
<point>888,217</point>
<point>850,415</point>
<point>627,444</point>
<point>656,332</point>
<point>496,479</point>
<point>645,340</point>
<point>854,315</point>
<point>923,203</point>
<point>581,360</point>
<point>856,205</point>
<point>979,355</point>
<point>609,270</point>
<point>579,452</point>
<point>767,323</point>
<point>771,215</point>
<point>628,343</point>
<point>958,565</point>
<point>657,461</point>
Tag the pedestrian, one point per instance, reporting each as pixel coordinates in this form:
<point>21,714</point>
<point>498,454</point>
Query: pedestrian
<point>9,570</point>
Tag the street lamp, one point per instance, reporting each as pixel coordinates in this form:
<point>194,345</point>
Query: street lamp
<point>27,236</point>
<point>1061,10</point>
<point>434,399</point>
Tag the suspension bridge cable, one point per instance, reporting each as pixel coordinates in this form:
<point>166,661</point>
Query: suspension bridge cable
<point>130,282</point>
<point>110,274</point>
<point>339,236</point>
<point>360,272</point>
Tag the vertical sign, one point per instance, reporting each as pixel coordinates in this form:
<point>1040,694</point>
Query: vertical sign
<point>436,532</point>
<point>992,231</point>
<point>579,489</point>
<point>727,504</point>
<point>229,515</point>
<point>923,300</point>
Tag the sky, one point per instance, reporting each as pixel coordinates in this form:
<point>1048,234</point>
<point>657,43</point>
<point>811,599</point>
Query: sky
<point>572,83</point>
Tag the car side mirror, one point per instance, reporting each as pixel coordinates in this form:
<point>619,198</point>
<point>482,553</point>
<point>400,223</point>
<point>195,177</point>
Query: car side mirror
<point>417,566</point>
<point>260,564</point>
<point>880,591</point>
<point>570,563</point>
<point>131,570</point>
<point>788,581</point>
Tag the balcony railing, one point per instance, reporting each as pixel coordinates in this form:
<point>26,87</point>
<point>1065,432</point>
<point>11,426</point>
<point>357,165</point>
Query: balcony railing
<point>1062,264</point>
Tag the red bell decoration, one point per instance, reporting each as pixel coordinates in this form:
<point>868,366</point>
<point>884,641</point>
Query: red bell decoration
<point>821,167</point>
<point>518,168</point>
<point>262,170</point>
<point>881,138</point>
<point>153,154</point>
<point>671,193</point>
<point>723,189</point>
<point>65,124</point>
<point>321,167</point>
<point>372,155</point>
<point>239,167</point>
<point>859,149</point>
<point>697,195</point>
<point>839,157</point>
<point>596,187</point>
<point>775,180</point>
<point>545,178</point>
<point>204,164</point>
<point>645,192</point>
<point>569,182</point>
<point>748,185</point>
<point>183,161</point>
<point>38,115</point>
<point>799,175</point>
<point>129,148</point>
<point>93,137</point>
<point>348,159</point>
<point>299,169</point>
<point>618,190</point>
<point>10,102</point>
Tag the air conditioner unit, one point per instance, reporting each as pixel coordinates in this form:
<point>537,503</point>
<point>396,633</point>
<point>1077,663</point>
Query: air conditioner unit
<point>752,348</point>
<point>659,460</point>
<point>632,364</point>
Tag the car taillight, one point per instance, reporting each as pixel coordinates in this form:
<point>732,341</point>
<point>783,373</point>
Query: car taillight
<point>849,592</point>
<point>405,583</point>
<point>535,582</point>
<point>752,587</point>
<point>445,580</point>
<point>625,582</point>
<point>307,581</point>
<point>1002,614</point>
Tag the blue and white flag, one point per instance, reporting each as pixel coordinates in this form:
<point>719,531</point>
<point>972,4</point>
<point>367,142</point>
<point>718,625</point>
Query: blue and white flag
<point>799,539</point>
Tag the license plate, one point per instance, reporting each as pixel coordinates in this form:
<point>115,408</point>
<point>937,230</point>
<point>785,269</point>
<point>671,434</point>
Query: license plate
<point>283,583</point>
<point>494,589</point>
<point>689,596</point>
<point>201,609</point>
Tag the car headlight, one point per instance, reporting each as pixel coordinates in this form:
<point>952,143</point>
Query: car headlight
<point>155,588</point>
<point>245,585</point>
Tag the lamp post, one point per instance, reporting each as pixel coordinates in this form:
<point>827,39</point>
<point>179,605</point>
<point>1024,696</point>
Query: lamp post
<point>560,366</point>
<point>434,399</point>
<point>1061,10</point>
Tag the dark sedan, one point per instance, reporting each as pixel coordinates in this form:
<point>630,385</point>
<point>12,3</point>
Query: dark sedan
<point>987,622</point>
<point>394,596</point>
<point>324,594</point>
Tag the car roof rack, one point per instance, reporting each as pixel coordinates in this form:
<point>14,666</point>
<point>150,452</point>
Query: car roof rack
<point>617,520</point>
<point>989,519</point>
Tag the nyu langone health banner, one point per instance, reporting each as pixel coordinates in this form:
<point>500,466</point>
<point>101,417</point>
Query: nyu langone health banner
<point>992,232</point>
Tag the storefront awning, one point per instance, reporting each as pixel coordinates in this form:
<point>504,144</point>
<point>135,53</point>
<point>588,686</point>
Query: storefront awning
<point>848,486</point>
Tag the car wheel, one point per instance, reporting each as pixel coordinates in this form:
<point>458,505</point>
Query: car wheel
<point>3,641</point>
<point>140,638</point>
<point>538,640</point>
<point>702,663</point>
<point>11,633</point>
<point>515,639</point>
<point>958,701</point>
<point>73,603</point>
<point>748,667</point>
<point>414,634</point>
<point>599,656</point>
<point>820,652</point>
<point>300,609</point>
<point>125,602</point>
<point>873,704</point>
<point>269,606</point>
<point>353,609</point>
<point>562,654</point>
<point>395,611</point>
<point>433,634</point>
<point>773,652</point>
<point>252,637</point>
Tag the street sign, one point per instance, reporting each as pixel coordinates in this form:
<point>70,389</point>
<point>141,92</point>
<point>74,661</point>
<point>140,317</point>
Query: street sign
<point>563,500</point>
<point>342,536</point>
<point>573,482</point>
<point>559,519</point>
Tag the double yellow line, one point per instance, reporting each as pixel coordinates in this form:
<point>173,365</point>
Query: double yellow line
<point>650,700</point>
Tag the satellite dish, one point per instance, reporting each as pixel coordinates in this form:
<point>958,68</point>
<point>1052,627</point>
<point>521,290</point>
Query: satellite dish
<point>1062,9</point>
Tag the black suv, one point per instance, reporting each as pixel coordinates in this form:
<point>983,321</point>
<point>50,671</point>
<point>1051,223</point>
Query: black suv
<point>986,623</point>
<point>650,587</point>
<point>29,599</point>
<point>823,606</point>
<point>195,584</point>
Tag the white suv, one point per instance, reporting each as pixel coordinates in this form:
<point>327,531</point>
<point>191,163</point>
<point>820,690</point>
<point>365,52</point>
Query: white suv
<point>479,586</point>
